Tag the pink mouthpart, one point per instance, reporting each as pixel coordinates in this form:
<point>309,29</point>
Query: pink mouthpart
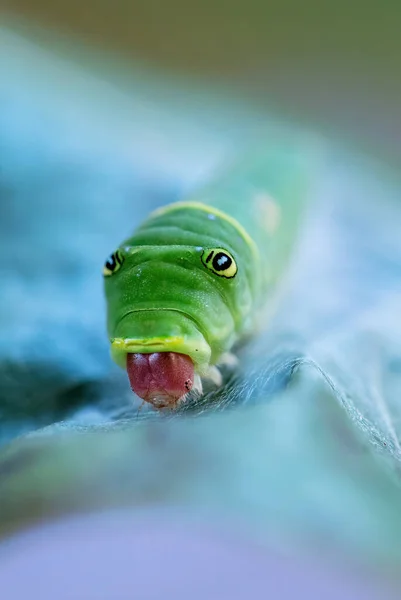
<point>161,378</point>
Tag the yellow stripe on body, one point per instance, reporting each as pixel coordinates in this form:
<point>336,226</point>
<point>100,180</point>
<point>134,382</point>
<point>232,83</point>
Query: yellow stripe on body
<point>214,211</point>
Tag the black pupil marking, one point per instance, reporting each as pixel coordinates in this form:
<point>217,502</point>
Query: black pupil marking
<point>221,262</point>
<point>112,261</point>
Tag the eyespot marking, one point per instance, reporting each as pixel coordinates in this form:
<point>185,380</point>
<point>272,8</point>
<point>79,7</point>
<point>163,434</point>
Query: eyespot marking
<point>220,262</point>
<point>113,263</point>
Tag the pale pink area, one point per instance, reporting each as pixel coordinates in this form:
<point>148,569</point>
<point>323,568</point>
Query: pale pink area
<point>126,556</point>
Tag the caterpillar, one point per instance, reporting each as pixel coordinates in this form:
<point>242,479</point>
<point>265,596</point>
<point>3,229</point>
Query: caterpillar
<point>192,280</point>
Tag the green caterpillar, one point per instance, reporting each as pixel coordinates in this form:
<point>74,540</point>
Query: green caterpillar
<point>192,280</point>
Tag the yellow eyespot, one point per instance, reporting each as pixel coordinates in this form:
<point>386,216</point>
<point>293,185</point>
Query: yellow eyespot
<point>113,263</point>
<point>220,262</point>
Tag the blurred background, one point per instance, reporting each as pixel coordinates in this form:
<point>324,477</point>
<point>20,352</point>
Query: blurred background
<point>334,65</point>
<point>108,110</point>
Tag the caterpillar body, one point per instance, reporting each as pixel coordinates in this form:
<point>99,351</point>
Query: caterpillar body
<point>191,281</point>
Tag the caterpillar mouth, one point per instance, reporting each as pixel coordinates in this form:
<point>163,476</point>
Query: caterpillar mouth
<point>159,331</point>
<point>160,378</point>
